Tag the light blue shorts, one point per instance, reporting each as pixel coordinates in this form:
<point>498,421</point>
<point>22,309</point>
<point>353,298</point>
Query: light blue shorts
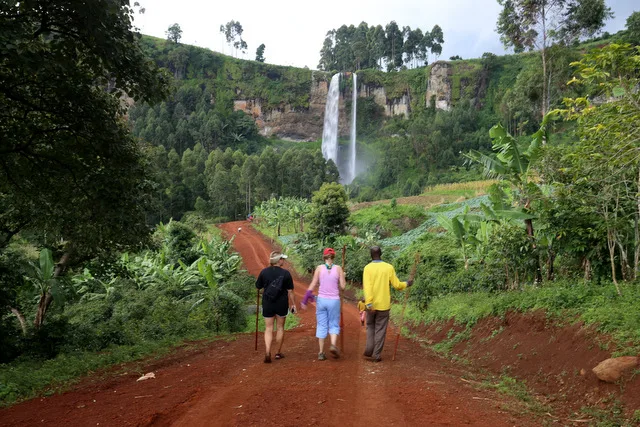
<point>328,315</point>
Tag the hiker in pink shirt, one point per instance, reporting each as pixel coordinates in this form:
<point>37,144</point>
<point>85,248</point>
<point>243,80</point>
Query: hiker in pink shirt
<point>330,277</point>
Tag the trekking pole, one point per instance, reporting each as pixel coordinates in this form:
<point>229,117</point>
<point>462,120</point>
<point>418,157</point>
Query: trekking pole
<point>404,305</point>
<point>344,252</point>
<point>257,312</point>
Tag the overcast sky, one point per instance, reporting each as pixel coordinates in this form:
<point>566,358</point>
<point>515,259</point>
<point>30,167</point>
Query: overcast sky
<point>293,30</point>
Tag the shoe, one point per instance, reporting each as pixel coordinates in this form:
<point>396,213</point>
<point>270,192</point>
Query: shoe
<point>279,356</point>
<point>334,351</point>
<point>321,356</point>
<point>366,355</point>
<point>376,359</point>
<point>267,358</point>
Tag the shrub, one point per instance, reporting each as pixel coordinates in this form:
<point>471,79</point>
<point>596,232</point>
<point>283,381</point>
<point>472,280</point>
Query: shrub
<point>180,240</point>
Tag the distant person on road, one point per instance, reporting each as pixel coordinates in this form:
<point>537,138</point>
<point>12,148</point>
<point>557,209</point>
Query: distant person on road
<point>376,278</point>
<point>331,280</point>
<point>277,300</point>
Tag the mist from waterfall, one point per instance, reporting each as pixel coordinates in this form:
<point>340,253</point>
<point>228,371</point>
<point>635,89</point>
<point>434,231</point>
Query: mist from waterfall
<point>352,163</point>
<point>330,127</point>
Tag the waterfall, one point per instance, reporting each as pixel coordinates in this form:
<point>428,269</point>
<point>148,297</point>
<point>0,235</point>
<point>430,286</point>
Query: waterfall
<point>330,127</point>
<point>352,163</point>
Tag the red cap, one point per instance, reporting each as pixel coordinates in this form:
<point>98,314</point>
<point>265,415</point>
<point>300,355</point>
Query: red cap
<point>328,252</point>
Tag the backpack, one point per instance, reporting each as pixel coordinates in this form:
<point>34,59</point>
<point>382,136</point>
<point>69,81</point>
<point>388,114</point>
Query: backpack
<point>273,290</point>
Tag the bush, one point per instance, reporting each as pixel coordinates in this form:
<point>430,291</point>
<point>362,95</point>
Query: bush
<point>330,212</point>
<point>180,240</point>
<point>228,312</point>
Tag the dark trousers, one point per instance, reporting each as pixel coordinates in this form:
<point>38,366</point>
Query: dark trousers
<point>377,322</point>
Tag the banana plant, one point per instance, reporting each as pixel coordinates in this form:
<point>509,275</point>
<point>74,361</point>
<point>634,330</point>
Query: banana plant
<point>463,230</point>
<point>81,284</point>
<point>46,282</point>
<point>200,291</point>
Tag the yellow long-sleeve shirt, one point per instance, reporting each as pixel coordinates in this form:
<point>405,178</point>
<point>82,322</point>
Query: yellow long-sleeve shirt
<point>376,278</point>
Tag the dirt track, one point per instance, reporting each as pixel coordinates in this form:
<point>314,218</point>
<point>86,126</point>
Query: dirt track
<point>225,383</point>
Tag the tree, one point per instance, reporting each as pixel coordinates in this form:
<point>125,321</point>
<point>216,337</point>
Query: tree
<point>329,213</point>
<point>633,28</point>
<point>437,38</point>
<point>537,24</point>
<point>513,163</point>
<point>232,31</point>
<point>393,45</point>
<point>69,167</point>
<point>260,53</point>
<point>174,33</point>
<point>608,151</point>
<point>327,53</point>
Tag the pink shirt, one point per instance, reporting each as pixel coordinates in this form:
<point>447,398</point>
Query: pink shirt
<point>329,280</point>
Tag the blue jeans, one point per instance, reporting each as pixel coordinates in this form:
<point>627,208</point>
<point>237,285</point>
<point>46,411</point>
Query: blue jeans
<point>328,316</point>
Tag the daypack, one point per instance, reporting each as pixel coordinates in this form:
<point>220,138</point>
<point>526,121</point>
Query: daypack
<point>273,289</point>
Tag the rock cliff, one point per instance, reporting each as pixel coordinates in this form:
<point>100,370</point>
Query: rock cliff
<point>305,124</point>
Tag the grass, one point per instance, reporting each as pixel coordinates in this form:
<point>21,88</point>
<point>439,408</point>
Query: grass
<point>466,189</point>
<point>390,221</point>
<point>436,195</point>
<point>594,305</point>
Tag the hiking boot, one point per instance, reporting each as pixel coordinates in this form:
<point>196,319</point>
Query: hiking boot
<point>322,356</point>
<point>376,359</point>
<point>267,358</point>
<point>334,351</point>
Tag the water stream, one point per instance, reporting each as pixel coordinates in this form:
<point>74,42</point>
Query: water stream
<point>330,127</point>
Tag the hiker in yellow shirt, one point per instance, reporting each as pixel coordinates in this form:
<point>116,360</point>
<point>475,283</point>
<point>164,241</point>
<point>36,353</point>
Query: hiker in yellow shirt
<point>376,278</point>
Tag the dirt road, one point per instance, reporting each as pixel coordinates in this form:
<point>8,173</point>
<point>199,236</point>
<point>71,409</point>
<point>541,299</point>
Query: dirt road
<point>225,382</point>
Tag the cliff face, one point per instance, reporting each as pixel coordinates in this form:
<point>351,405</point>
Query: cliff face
<point>446,84</point>
<point>439,85</point>
<point>305,124</point>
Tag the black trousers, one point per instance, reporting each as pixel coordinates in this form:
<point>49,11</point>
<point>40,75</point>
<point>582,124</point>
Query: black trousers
<point>377,322</point>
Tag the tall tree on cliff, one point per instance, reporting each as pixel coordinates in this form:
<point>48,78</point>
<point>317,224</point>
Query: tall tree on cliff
<point>376,41</point>
<point>68,164</point>
<point>260,53</point>
<point>327,53</point>
<point>537,24</point>
<point>174,33</point>
<point>393,47</point>
<point>437,38</point>
<point>232,31</point>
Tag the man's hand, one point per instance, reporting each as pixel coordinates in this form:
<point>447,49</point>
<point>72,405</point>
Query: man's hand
<point>293,309</point>
<point>409,282</point>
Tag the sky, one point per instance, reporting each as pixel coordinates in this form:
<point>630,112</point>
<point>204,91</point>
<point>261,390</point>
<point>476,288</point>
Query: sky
<point>293,30</point>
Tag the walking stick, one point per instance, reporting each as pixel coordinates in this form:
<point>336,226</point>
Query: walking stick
<point>344,251</point>
<point>404,304</point>
<point>257,312</point>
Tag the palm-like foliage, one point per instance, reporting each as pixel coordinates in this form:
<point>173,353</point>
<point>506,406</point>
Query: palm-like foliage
<point>512,161</point>
<point>284,211</point>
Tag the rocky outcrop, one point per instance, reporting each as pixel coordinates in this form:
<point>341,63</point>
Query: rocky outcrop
<point>439,86</point>
<point>392,107</point>
<point>305,124</point>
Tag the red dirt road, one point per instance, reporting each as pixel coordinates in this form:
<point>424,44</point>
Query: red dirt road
<point>225,383</point>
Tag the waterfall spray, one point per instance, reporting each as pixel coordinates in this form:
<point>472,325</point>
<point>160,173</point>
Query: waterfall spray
<point>330,127</point>
<point>352,163</point>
